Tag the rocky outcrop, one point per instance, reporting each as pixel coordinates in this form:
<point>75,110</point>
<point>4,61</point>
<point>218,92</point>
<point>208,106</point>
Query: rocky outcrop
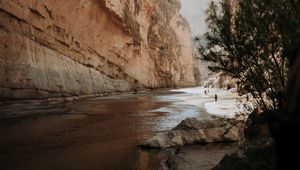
<point>192,131</point>
<point>259,156</point>
<point>67,48</point>
<point>220,80</point>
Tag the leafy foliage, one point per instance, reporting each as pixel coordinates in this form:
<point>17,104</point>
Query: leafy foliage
<point>251,40</point>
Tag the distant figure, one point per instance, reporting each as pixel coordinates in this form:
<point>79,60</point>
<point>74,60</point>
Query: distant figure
<point>205,92</point>
<point>135,91</point>
<point>216,97</point>
<point>247,97</point>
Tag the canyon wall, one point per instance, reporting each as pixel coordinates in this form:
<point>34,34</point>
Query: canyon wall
<point>64,48</point>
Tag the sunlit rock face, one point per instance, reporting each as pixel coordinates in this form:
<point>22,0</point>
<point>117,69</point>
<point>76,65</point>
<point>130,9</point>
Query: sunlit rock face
<point>71,48</point>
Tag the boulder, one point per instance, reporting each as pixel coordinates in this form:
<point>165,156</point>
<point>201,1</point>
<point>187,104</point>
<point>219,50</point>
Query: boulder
<point>163,140</point>
<point>191,123</point>
<point>191,131</point>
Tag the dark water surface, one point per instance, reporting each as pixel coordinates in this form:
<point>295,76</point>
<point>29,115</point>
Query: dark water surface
<point>97,133</point>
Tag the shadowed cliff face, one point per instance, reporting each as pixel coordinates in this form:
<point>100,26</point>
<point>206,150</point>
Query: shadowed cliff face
<point>70,48</point>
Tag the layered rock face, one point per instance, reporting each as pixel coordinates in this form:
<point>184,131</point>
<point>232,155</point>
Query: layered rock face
<point>68,48</point>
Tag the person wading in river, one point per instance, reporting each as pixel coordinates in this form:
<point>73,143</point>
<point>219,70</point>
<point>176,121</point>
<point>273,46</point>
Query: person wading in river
<point>216,97</point>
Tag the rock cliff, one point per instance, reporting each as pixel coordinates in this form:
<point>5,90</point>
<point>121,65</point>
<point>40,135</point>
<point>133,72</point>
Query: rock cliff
<point>53,49</point>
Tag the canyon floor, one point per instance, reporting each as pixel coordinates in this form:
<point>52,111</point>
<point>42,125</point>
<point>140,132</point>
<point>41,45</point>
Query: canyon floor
<point>104,132</point>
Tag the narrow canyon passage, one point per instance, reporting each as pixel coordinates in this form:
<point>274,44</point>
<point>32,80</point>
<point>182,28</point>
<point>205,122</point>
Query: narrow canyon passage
<point>96,133</point>
<point>149,84</point>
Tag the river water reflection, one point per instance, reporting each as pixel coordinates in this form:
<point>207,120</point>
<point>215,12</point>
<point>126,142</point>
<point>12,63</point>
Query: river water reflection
<point>96,133</point>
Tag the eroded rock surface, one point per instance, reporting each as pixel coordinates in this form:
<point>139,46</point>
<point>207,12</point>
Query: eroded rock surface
<point>64,48</point>
<point>192,131</point>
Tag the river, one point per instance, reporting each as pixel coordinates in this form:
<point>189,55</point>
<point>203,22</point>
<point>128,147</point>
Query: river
<point>94,133</point>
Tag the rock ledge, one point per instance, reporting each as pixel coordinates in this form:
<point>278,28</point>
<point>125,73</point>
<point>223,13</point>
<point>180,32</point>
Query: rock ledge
<point>192,131</point>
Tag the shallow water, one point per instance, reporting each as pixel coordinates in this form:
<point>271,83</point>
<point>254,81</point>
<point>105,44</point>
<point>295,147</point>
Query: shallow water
<point>96,133</point>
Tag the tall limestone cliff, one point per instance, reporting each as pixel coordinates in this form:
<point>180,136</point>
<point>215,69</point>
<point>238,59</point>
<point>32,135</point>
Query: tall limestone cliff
<point>62,48</point>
